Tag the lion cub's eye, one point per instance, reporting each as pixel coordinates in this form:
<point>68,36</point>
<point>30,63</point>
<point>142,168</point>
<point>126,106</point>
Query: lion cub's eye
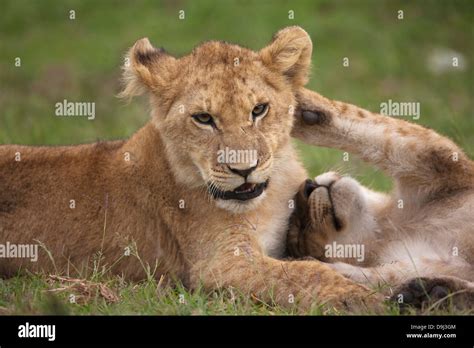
<point>260,110</point>
<point>204,118</point>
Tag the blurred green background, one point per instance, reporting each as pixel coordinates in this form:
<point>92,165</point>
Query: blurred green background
<point>389,58</point>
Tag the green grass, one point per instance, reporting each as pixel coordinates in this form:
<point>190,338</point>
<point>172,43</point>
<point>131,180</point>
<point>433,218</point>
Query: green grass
<point>79,60</point>
<point>31,294</point>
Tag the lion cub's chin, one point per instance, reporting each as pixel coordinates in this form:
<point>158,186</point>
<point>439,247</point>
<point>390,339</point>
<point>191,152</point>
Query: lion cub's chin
<point>239,207</point>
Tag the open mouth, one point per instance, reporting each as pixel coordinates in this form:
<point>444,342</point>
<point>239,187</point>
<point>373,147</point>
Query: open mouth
<point>242,193</point>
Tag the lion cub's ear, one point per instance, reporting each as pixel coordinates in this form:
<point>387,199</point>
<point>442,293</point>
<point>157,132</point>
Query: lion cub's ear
<point>146,68</point>
<point>290,53</point>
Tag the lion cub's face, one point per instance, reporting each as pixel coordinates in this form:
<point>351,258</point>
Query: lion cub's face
<point>224,112</point>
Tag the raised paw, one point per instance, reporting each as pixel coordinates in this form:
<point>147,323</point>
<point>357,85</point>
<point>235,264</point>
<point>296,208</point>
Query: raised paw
<point>423,293</point>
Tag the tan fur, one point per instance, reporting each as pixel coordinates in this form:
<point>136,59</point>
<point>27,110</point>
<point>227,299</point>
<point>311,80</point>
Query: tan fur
<point>158,201</point>
<point>424,228</point>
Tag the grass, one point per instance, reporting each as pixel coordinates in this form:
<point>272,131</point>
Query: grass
<point>41,295</point>
<point>35,294</point>
<point>79,60</point>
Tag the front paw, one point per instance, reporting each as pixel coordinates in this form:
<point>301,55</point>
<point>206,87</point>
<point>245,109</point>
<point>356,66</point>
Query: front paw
<point>357,299</point>
<point>423,293</point>
<point>313,109</point>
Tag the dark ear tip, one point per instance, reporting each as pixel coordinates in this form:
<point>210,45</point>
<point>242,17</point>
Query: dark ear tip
<point>313,117</point>
<point>144,58</point>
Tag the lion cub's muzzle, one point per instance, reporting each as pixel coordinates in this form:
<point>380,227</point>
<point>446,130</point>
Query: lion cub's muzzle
<point>306,201</point>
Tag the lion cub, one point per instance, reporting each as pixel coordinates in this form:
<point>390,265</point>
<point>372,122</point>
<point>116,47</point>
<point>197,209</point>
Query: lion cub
<point>424,228</point>
<point>166,193</point>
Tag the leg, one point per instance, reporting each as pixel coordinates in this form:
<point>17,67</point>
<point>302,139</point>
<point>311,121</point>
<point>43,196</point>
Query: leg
<point>414,156</point>
<point>287,283</point>
<point>401,271</point>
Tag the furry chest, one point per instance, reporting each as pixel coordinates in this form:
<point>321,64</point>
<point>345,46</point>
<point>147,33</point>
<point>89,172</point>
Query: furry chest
<point>273,231</point>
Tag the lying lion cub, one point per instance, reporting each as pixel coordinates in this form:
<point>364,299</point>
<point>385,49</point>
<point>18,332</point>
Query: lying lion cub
<point>168,195</point>
<point>425,228</point>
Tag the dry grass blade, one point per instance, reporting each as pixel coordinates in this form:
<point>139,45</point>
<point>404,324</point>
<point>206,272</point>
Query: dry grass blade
<point>82,289</point>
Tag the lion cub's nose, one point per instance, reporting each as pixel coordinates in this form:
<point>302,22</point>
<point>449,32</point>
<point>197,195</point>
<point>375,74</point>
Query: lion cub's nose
<point>243,172</point>
<point>309,187</point>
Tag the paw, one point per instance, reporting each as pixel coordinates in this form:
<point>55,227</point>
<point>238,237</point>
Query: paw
<point>313,109</point>
<point>423,293</point>
<point>358,299</point>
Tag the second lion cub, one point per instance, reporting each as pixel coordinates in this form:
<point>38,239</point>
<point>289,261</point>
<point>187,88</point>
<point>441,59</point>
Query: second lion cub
<point>419,238</point>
